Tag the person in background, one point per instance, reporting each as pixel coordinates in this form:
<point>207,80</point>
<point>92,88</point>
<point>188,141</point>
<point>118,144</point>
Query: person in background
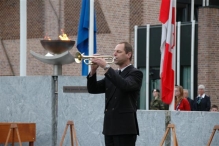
<point>181,103</point>
<point>202,102</point>
<point>186,95</point>
<point>214,108</point>
<point>156,103</point>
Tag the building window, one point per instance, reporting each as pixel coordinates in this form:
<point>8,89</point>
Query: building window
<point>184,11</point>
<point>186,78</point>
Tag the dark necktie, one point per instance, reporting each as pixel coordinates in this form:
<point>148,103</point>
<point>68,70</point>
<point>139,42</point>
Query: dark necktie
<point>120,72</point>
<point>199,100</point>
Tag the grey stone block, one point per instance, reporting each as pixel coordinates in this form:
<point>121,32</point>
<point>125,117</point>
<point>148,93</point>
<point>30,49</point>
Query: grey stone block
<point>28,99</point>
<point>151,127</point>
<point>32,99</point>
<point>195,128</point>
<point>85,110</point>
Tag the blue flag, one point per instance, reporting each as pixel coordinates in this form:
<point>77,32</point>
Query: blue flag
<point>83,33</point>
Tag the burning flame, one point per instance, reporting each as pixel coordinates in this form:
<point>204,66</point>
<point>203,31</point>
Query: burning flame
<point>63,36</point>
<point>47,37</point>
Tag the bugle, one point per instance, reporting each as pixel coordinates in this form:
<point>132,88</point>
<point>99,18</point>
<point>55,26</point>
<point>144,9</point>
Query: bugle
<point>87,59</point>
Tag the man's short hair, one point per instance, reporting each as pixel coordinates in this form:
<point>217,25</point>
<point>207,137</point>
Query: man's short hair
<point>214,106</point>
<point>156,90</point>
<point>201,87</point>
<point>127,48</point>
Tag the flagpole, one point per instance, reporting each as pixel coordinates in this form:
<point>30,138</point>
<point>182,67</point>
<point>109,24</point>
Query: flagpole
<point>178,52</point>
<point>168,51</point>
<point>147,65</point>
<point>192,49</point>
<point>192,58</point>
<point>91,31</point>
<point>203,3</point>
<point>136,45</point>
<point>192,10</point>
<point>172,104</point>
<point>207,2</point>
<point>23,37</point>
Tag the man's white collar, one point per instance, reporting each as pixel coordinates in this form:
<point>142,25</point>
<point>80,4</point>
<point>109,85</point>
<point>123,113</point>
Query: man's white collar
<point>203,95</point>
<point>124,67</point>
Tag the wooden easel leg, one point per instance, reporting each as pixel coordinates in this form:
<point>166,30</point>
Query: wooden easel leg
<point>175,142</point>
<point>13,137</point>
<point>216,127</point>
<point>165,135</point>
<point>13,127</point>
<point>71,134</point>
<point>9,133</point>
<point>74,136</point>
<point>63,136</point>
<point>211,138</point>
<point>18,136</point>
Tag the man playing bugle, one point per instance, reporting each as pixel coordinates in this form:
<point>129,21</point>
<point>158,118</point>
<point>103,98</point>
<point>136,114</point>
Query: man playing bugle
<point>122,89</point>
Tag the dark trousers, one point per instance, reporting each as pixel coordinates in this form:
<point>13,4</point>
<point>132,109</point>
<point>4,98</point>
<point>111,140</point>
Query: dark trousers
<point>120,140</point>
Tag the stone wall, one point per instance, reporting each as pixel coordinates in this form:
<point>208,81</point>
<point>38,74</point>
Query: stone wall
<point>32,99</point>
<point>118,19</point>
<point>195,128</point>
<point>28,99</point>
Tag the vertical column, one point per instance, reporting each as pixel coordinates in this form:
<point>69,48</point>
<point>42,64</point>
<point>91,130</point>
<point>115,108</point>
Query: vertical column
<point>54,111</point>
<point>192,10</point>
<point>147,66</point>
<point>178,52</point>
<point>192,58</point>
<point>91,31</point>
<point>23,37</point>
<point>203,3</point>
<point>136,45</point>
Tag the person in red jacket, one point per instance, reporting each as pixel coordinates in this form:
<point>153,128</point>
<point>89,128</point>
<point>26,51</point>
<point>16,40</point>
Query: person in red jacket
<point>181,103</point>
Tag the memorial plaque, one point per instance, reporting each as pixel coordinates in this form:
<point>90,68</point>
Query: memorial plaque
<point>75,89</point>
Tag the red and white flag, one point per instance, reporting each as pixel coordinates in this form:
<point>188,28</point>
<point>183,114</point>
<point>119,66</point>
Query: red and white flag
<point>167,64</point>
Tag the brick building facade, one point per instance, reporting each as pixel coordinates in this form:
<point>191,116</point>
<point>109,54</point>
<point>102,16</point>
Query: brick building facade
<point>208,51</point>
<point>115,23</point>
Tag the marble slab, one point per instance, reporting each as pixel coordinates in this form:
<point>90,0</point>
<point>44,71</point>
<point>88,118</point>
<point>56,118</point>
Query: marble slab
<point>28,99</point>
<point>194,128</point>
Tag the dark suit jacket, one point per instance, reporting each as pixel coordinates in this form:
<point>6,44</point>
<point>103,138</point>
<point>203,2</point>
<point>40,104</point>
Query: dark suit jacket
<point>121,94</point>
<point>204,105</point>
<point>190,102</point>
